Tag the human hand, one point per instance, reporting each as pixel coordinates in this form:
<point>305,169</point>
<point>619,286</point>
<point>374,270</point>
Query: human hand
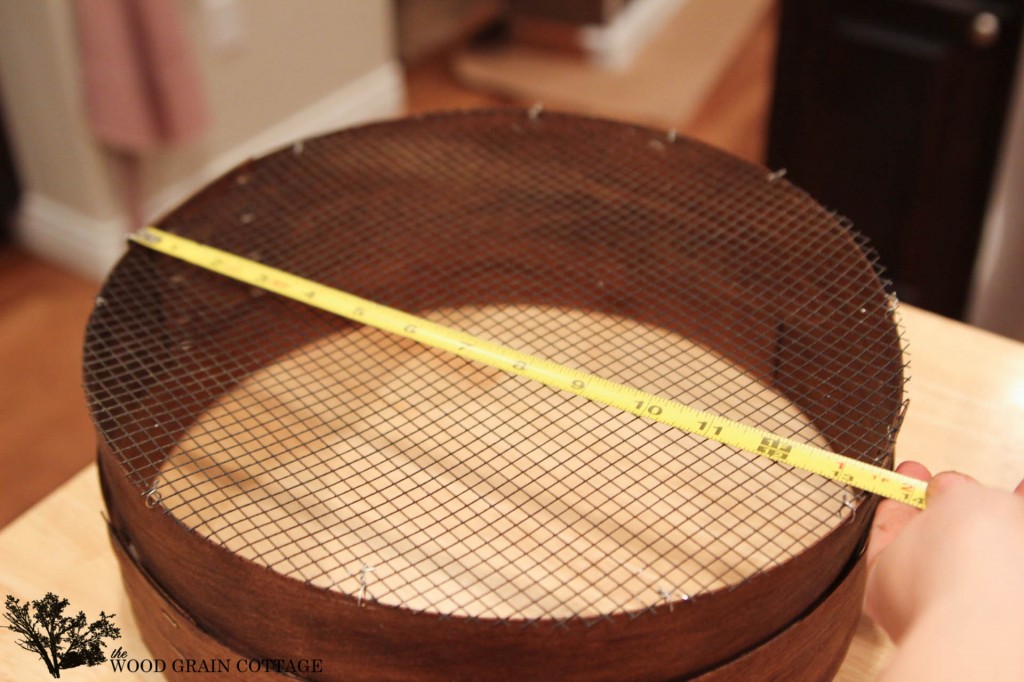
<point>947,583</point>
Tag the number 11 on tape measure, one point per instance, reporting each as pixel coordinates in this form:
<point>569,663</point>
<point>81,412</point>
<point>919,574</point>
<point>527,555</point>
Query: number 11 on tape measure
<point>831,465</point>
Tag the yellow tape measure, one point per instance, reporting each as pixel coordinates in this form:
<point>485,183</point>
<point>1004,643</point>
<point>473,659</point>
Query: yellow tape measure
<point>837,467</point>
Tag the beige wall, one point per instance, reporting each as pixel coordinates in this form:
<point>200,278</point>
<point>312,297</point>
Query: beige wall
<point>301,66</point>
<point>49,133</point>
<point>294,54</point>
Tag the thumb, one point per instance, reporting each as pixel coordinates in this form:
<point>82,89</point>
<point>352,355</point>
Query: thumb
<point>892,516</point>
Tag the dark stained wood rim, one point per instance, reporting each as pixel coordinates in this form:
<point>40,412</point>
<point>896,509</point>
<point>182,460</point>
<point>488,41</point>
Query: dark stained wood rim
<point>170,633</point>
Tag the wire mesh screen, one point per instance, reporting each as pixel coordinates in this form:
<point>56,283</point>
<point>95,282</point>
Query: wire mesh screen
<point>365,464</point>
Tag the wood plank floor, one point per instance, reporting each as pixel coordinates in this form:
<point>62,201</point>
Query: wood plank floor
<point>734,117</point>
<point>45,432</point>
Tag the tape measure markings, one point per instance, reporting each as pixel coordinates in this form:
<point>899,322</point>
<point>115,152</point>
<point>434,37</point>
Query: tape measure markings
<point>839,468</point>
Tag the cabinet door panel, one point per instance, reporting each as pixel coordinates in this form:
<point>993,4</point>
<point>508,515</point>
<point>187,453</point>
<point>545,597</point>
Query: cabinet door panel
<point>891,114</point>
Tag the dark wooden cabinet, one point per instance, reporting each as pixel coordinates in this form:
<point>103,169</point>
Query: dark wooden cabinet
<point>891,113</point>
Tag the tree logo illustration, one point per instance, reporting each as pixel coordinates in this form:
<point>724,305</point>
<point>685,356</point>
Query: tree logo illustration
<point>61,641</point>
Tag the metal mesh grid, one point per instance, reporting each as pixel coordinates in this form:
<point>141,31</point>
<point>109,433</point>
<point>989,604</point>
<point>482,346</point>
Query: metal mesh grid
<point>365,464</point>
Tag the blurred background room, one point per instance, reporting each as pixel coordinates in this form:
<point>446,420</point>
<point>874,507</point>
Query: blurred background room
<point>906,116</point>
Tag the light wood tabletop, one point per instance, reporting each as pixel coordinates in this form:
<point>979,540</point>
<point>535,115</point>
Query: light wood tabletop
<point>966,413</point>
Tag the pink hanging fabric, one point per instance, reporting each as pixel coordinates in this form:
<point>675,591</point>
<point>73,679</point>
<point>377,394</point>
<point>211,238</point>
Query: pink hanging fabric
<point>142,88</point>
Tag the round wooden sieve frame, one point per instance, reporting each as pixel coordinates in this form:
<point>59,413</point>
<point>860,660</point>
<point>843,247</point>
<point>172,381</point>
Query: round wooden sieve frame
<point>262,614</point>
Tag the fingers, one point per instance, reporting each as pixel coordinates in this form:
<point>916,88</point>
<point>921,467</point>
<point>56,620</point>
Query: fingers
<point>892,516</point>
<point>941,484</point>
<point>914,470</point>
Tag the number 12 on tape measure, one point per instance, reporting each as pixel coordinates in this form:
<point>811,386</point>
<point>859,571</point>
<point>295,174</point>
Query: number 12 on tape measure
<point>831,465</point>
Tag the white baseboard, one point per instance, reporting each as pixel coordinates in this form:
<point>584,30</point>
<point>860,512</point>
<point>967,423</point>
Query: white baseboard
<point>55,231</point>
<point>91,246</point>
<point>613,46</point>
